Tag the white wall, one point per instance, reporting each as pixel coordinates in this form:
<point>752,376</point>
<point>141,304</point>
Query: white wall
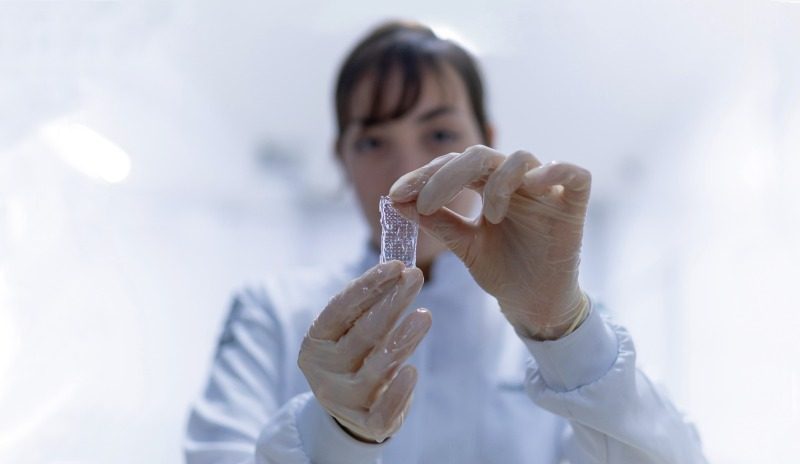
<point>111,294</point>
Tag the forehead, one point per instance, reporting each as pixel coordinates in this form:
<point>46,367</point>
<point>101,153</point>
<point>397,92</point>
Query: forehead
<point>440,87</point>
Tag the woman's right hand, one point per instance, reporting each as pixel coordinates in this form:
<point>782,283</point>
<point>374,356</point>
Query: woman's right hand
<point>353,354</point>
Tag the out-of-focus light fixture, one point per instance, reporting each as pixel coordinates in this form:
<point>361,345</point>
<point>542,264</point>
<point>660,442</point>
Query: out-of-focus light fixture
<point>87,151</point>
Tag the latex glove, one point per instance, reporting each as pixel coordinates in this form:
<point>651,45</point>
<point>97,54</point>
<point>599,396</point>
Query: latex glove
<point>353,354</point>
<point>524,248</point>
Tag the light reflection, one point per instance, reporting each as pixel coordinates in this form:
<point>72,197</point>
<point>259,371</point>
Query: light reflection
<point>448,33</point>
<point>9,341</point>
<point>87,151</point>
<point>44,412</point>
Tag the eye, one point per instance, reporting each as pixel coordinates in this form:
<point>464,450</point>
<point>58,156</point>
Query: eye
<point>443,136</point>
<point>367,143</point>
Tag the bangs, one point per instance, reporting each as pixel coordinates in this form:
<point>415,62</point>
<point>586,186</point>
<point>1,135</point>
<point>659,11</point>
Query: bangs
<point>406,62</point>
<point>410,68</point>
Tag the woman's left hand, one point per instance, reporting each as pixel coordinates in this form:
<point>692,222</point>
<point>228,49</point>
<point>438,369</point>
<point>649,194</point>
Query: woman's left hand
<point>524,247</point>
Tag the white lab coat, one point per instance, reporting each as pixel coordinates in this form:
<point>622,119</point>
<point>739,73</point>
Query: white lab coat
<point>484,395</point>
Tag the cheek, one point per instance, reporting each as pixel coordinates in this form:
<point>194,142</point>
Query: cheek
<point>369,179</point>
<point>368,185</point>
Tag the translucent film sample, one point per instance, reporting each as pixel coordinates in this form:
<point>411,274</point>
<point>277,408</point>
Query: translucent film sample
<point>398,235</point>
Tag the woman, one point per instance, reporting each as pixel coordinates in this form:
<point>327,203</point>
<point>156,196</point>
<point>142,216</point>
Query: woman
<point>518,366</point>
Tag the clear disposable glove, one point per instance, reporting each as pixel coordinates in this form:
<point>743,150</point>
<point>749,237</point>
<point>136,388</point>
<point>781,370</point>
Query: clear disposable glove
<point>524,247</point>
<point>354,351</point>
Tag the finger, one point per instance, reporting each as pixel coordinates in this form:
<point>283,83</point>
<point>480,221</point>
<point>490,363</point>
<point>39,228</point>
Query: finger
<point>467,170</point>
<point>387,414</point>
<point>346,307</point>
<point>503,182</point>
<point>408,186</point>
<point>575,180</point>
<point>455,231</point>
<point>376,322</point>
<point>362,389</point>
<point>397,347</point>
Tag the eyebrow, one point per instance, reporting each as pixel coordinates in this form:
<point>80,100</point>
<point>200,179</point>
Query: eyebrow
<point>424,117</point>
<point>434,113</point>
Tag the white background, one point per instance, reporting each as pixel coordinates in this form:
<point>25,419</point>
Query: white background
<point>112,293</point>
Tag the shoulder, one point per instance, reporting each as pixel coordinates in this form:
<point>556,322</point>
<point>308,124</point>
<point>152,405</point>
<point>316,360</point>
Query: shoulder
<point>287,301</point>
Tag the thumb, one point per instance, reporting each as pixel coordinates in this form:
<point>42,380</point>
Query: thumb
<point>453,230</point>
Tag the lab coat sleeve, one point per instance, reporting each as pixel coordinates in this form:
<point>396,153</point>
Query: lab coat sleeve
<point>615,414</point>
<point>240,418</point>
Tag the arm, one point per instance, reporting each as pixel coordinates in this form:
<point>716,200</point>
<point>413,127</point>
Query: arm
<point>240,417</point>
<point>616,415</point>
<point>524,249</point>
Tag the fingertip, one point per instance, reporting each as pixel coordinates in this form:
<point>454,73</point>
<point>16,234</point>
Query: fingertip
<point>426,318</point>
<point>493,218</point>
<point>425,205</point>
<point>391,268</point>
<point>425,311</point>
<point>386,414</point>
<point>534,181</point>
<point>406,377</point>
<point>414,276</point>
<point>426,211</point>
<point>405,188</point>
<point>434,198</point>
<point>493,213</point>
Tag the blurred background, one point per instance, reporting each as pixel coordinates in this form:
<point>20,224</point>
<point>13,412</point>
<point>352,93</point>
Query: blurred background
<point>155,156</point>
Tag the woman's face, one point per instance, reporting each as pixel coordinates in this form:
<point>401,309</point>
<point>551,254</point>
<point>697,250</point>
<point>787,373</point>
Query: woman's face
<point>374,157</point>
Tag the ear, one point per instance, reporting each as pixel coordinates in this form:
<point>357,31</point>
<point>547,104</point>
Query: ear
<point>489,129</point>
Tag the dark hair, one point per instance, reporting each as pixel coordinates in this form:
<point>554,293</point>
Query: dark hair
<point>412,49</point>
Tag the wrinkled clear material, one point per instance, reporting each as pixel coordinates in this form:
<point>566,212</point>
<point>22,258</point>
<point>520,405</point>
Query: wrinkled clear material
<point>398,235</point>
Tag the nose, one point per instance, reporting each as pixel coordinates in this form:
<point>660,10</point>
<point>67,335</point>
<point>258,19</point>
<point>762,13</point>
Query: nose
<point>410,157</point>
